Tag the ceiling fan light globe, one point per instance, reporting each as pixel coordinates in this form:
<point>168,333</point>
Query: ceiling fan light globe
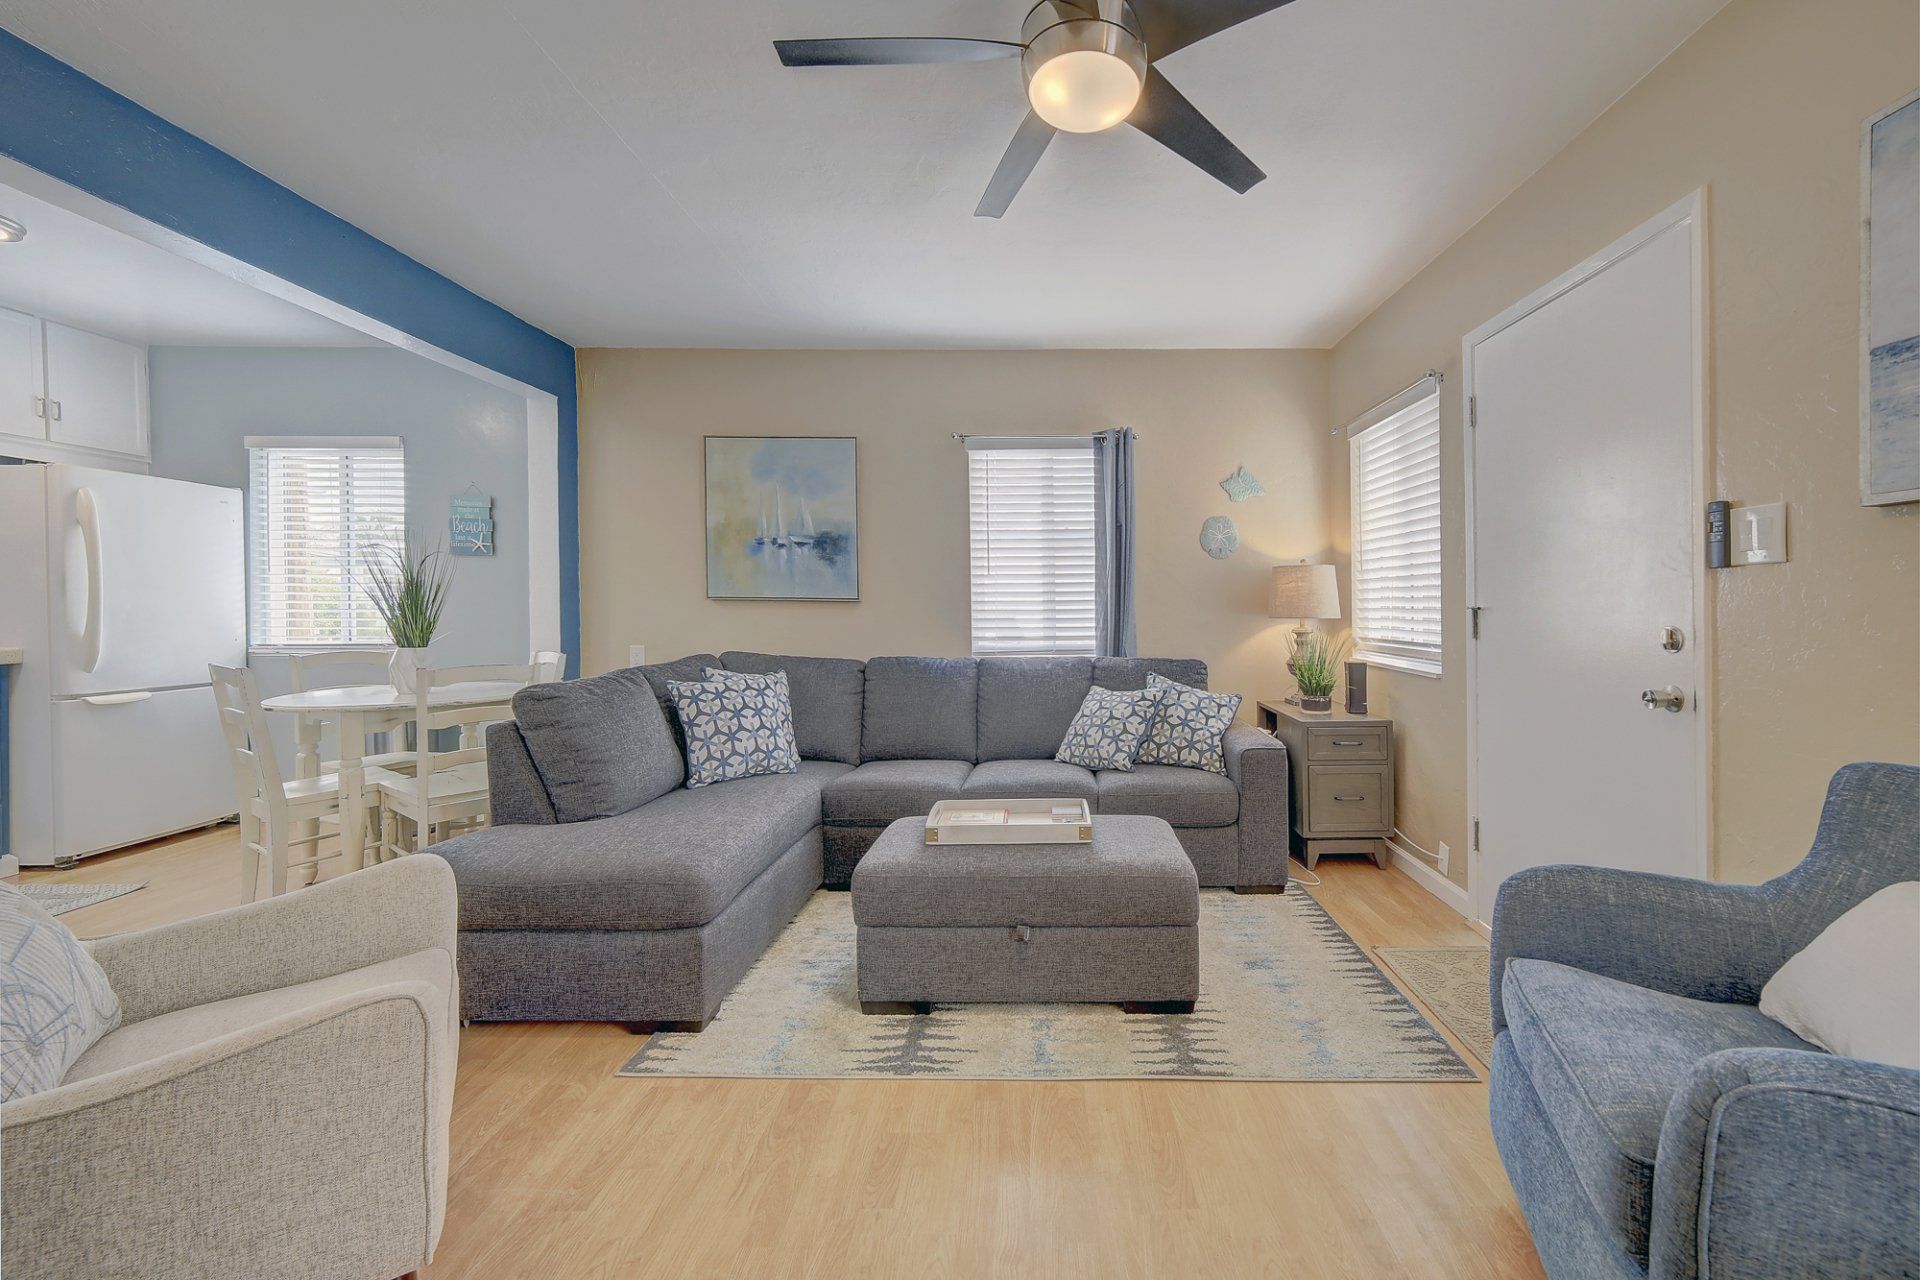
<point>1084,91</point>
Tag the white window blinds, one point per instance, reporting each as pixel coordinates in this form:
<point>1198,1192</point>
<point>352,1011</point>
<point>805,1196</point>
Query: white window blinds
<point>1032,510</point>
<point>1395,460</point>
<point>315,509</point>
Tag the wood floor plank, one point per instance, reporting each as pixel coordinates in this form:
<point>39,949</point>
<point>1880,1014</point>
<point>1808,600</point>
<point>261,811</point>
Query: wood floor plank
<point>563,1171</point>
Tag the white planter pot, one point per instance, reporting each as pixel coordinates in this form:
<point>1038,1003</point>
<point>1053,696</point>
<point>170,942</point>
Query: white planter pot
<point>402,666</point>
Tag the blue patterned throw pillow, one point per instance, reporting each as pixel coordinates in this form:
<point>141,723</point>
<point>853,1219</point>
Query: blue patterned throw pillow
<point>1189,726</point>
<point>737,726</point>
<point>54,998</point>
<point>1107,731</point>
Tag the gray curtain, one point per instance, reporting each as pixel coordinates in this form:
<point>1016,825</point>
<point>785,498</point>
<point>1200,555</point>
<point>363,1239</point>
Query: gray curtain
<point>1113,471</point>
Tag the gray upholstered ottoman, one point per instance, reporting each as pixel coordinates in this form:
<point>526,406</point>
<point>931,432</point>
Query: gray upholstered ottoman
<point>1114,920</point>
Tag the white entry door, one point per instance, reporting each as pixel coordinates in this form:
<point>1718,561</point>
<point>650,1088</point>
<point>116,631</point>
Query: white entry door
<point>1585,564</point>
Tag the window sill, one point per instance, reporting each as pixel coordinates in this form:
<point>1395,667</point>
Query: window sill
<point>1394,662</point>
<point>295,650</point>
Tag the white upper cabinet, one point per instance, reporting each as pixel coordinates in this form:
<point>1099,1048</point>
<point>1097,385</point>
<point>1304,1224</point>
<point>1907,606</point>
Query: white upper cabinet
<point>23,385</point>
<point>96,392</point>
<point>67,395</point>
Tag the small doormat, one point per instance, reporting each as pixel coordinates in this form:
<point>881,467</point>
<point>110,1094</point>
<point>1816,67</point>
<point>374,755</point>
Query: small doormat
<point>58,899</point>
<point>1285,994</point>
<point>1452,982</point>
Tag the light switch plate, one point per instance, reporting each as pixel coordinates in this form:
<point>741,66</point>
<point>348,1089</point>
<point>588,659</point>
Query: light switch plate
<point>636,655</point>
<point>1759,533</point>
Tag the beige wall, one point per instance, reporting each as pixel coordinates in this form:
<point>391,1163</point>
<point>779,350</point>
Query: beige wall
<point>1817,662</point>
<point>1199,414</point>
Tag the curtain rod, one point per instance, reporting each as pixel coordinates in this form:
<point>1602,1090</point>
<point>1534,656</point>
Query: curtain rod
<point>964,438</point>
<point>1434,374</point>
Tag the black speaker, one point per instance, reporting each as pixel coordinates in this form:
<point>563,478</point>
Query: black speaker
<point>1357,688</point>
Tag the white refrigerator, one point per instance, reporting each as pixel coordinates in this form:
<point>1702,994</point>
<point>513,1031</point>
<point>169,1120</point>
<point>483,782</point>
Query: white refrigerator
<point>121,588</point>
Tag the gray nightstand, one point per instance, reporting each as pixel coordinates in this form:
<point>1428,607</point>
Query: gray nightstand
<point>1341,771</point>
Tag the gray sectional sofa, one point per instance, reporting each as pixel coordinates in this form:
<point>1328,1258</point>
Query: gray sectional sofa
<point>607,891</point>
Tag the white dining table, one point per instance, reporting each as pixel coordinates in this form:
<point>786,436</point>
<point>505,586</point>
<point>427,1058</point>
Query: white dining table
<point>356,710</point>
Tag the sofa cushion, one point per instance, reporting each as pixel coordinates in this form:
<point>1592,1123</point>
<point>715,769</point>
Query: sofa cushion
<point>1023,779</point>
<point>827,693</point>
<point>1180,797</point>
<point>1108,731</point>
<point>673,864</point>
<point>692,667</point>
<point>139,1042</point>
<point>601,745</point>
<point>1026,704</point>
<point>1189,726</point>
<point>919,709</point>
<point>1131,673</point>
<point>881,790</point>
<point>737,726</point>
<point>1605,1058</point>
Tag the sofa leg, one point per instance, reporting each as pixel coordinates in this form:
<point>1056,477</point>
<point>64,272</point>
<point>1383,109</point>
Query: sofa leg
<point>897,1007</point>
<point>1259,888</point>
<point>1156,1006</point>
<point>652,1028</point>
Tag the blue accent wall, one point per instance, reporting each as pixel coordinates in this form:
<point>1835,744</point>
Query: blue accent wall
<point>71,127</point>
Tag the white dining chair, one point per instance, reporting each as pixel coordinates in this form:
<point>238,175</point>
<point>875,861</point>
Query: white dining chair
<point>333,669</point>
<point>277,815</point>
<point>547,666</point>
<point>446,789</point>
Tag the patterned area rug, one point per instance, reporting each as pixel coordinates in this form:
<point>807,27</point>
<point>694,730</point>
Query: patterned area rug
<point>1285,994</point>
<point>1452,982</point>
<point>58,899</point>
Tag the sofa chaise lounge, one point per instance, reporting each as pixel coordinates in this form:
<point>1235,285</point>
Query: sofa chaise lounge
<point>592,899</point>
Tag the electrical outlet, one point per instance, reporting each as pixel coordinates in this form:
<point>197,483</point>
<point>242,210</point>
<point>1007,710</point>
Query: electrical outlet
<point>636,655</point>
<point>1444,857</point>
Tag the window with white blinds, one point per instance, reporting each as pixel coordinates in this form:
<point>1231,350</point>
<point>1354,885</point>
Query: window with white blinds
<point>1396,534</point>
<point>1032,510</point>
<point>315,509</point>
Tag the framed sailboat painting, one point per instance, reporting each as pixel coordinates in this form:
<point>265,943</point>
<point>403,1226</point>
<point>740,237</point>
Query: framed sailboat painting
<point>782,518</point>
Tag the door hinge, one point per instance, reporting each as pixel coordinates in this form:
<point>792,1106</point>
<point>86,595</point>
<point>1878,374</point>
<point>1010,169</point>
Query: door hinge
<point>1473,411</point>
<point>1476,835</point>
<point>1473,611</point>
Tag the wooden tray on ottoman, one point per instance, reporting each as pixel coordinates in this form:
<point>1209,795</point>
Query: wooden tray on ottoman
<point>1030,821</point>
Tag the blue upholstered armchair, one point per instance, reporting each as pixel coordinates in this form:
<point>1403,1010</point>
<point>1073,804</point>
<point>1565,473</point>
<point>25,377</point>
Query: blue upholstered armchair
<point>1654,1122</point>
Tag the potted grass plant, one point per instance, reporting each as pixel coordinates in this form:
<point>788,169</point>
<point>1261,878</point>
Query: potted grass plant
<point>408,587</point>
<point>1316,670</point>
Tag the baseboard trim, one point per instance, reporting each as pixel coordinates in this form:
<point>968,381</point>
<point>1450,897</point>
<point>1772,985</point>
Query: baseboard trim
<point>1430,880</point>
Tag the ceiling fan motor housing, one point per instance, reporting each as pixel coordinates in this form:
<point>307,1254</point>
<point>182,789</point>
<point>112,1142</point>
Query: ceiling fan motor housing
<point>1106,47</point>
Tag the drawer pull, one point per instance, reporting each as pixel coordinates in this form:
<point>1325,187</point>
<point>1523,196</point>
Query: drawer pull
<point>1346,742</point>
<point>1351,799</point>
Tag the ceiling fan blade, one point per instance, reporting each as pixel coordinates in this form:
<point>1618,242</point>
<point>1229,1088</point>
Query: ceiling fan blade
<point>1022,154</point>
<point>881,51</point>
<point>1169,119</point>
<point>1174,24</point>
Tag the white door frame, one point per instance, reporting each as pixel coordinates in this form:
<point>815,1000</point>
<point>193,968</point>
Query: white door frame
<point>1691,214</point>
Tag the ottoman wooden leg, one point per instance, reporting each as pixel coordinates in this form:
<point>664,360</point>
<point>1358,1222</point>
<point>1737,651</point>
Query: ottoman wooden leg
<point>1157,1006</point>
<point>897,1007</point>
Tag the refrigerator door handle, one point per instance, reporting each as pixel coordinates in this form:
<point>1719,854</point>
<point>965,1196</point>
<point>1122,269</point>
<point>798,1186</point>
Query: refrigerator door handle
<point>116,699</point>
<point>88,514</point>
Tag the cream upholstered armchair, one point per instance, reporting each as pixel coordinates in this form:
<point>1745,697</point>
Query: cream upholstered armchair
<point>274,1103</point>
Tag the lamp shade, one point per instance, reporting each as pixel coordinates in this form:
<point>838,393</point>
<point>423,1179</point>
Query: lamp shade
<point>1304,591</point>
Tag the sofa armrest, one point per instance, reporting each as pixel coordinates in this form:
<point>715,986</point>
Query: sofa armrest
<point>1783,1162</point>
<point>381,913</point>
<point>245,1155</point>
<point>516,794</point>
<point>1692,938</point>
<point>1257,767</point>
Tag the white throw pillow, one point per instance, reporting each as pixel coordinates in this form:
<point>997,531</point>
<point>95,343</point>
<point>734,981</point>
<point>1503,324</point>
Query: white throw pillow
<point>54,998</point>
<point>1855,989</point>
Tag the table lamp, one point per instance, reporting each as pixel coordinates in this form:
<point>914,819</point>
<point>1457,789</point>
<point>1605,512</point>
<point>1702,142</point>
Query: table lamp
<point>1302,592</point>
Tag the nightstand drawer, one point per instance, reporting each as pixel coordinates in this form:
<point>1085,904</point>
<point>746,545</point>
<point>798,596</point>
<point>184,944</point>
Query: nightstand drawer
<point>1337,742</point>
<point>1342,799</point>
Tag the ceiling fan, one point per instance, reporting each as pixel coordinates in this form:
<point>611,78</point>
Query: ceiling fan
<point>1089,65</point>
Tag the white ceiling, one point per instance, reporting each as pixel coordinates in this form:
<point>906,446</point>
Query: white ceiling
<point>645,173</point>
<point>71,269</point>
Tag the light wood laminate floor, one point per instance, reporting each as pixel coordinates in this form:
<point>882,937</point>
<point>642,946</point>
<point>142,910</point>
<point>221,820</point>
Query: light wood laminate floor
<point>561,1169</point>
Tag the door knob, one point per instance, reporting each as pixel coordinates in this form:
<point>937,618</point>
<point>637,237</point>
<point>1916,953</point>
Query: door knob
<point>1667,699</point>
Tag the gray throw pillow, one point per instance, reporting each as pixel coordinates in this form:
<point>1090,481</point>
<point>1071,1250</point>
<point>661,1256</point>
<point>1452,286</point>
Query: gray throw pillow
<point>1108,731</point>
<point>601,745</point>
<point>57,1001</point>
<point>1189,726</point>
<point>737,726</point>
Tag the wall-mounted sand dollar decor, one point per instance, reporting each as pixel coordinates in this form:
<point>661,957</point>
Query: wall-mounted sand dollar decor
<point>1218,537</point>
<point>1241,485</point>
